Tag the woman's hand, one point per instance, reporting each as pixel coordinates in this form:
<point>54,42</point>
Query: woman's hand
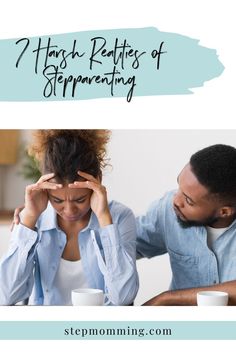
<point>36,199</point>
<point>16,217</point>
<point>98,201</point>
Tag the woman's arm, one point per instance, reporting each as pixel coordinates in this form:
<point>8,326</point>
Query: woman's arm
<point>16,267</point>
<point>119,264</point>
<point>118,237</point>
<point>188,297</point>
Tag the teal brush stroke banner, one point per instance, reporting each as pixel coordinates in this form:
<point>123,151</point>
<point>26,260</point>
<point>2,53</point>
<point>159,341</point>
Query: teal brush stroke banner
<point>117,330</point>
<point>102,64</point>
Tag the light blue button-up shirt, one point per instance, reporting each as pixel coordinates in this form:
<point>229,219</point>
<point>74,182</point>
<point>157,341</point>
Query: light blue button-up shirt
<point>108,256</point>
<point>193,264</point>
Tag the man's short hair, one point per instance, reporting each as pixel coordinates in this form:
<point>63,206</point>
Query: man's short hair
<point>215,169</point>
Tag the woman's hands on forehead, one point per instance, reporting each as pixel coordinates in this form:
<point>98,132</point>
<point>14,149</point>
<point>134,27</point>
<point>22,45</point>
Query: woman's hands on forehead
<point>98,201</point>
<point>36,199</point>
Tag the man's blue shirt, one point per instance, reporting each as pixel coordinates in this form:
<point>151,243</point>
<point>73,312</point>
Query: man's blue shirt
<point>193,264</point>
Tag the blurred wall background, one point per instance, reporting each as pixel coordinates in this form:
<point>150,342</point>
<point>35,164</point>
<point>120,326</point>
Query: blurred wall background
<point>15,183</point>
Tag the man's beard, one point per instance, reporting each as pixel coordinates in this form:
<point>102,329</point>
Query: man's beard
<point>189,223</point>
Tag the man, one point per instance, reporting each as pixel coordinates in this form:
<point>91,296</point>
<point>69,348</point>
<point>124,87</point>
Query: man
<point>196,225</point>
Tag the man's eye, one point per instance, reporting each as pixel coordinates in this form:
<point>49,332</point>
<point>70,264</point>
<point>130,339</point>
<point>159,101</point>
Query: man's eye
<point>188,201</point>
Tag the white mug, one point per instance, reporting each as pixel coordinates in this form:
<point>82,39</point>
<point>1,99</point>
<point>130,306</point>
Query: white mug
<point>87,297</point>
<point>212,298</point>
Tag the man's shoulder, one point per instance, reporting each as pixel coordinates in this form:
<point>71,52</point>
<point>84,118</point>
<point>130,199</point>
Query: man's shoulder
<point>165,201</point>
<point>118,209</point>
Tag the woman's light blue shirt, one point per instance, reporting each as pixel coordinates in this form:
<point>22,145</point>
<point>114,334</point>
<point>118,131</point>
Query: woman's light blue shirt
<point>108,256</point>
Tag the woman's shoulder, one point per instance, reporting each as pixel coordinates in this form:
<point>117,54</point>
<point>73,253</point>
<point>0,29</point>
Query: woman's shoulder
<point>118,209</point>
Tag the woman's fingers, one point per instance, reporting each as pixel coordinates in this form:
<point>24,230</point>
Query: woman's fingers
<point>47,185</point>
<point>87,176</point>
<point>43,183</point>
<point>16,216</point>
<point>46,177</point>
<point>95,186</point>
<point>77,184</point>
<point>41,186</point>
<point>31,187</point>
<point>91,183</point>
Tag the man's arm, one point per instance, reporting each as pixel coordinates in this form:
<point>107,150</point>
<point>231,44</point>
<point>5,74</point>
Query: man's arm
<point>188,297</point>
<point>150,230</point>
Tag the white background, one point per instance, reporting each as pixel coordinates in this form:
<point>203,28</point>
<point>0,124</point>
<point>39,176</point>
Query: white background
<point>213,106</point>
<point>211,21</point>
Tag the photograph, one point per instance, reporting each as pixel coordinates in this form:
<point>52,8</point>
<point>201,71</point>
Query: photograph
<point>82,225</point>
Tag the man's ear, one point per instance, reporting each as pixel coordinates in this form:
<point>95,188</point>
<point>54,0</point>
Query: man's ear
<point>227,211</point>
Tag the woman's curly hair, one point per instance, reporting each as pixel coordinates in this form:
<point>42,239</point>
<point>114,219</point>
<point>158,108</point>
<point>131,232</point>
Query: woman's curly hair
<point>64,152</point>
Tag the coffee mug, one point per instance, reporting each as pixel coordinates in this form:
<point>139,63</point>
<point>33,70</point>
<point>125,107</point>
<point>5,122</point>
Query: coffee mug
<point>212,298</point>
<point>87,297</point>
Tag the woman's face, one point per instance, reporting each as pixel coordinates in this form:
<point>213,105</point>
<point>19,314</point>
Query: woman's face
<point>71,204</point>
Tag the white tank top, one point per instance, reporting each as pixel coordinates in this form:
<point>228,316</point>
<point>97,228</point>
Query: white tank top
<point>69,276</point>
<point>213,234</point>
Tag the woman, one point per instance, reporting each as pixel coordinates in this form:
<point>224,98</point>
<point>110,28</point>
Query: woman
<point>69,236</point>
